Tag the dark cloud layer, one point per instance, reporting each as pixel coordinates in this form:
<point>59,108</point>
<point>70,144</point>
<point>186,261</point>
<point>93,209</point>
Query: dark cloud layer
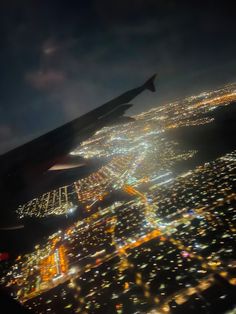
<point>60,59</point>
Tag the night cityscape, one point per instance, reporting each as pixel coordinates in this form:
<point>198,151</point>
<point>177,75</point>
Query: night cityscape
<point>150,239</point>
<point>117,157</point>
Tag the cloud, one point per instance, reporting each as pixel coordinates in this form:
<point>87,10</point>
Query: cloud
<point>52,46</point>
<point>46,79</point>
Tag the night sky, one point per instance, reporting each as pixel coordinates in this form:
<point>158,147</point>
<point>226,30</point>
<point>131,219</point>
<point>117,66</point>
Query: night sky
<point>60,59</point>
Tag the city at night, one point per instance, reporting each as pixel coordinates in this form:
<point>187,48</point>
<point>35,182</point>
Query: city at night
<point>118,158</point>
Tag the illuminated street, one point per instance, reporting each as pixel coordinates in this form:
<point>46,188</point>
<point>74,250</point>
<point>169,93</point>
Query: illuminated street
<point>168,239</point>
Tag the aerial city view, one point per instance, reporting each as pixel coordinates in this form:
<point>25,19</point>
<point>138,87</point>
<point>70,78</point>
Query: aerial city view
<point>149,239</point>
<point>117,157</point>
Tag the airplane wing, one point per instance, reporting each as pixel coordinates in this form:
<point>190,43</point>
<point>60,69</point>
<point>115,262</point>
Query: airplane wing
<point>23,164</point>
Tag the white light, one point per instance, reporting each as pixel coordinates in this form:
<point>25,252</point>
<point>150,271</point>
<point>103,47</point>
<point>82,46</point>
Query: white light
<point>72,209</point>
<point>74,270</point>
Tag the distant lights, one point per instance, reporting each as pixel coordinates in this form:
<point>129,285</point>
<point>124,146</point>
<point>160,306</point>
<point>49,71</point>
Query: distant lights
<point>72,209</point>
<point>73,270</point>
<point>185,254</point>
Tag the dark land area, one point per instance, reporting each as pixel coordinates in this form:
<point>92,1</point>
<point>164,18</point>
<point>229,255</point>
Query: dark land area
<point>211,140</point>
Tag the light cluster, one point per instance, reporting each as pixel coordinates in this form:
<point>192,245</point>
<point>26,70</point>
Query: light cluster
<point>161,248</point>
<point>164,244</point>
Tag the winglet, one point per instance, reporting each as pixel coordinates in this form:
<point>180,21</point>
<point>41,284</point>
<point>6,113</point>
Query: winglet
<point>149,84</point>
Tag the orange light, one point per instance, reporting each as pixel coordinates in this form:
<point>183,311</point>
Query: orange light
<point>126,286</point>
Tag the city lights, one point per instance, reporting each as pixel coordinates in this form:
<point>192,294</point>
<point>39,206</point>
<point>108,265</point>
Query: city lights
<point>150,239</point>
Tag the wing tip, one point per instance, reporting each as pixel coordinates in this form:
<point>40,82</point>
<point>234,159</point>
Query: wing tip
<point>149,84</point>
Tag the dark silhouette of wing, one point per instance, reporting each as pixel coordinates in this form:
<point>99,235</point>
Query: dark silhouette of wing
<point>23,164</point>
